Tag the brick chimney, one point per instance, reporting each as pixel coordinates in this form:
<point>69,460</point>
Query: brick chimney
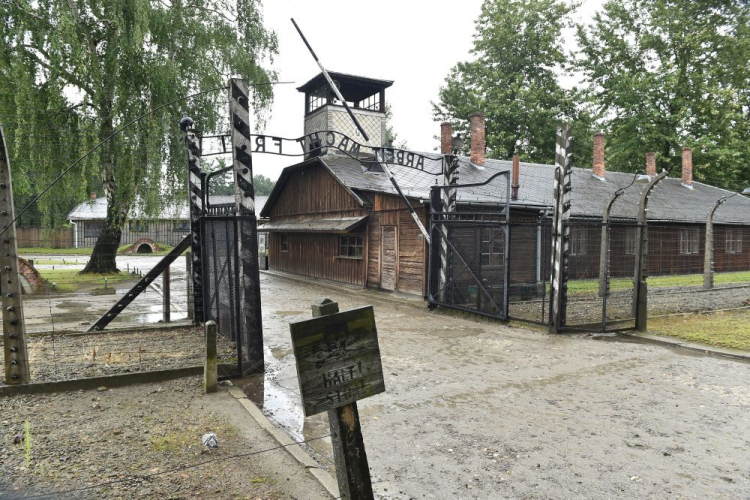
<point>515,176</point>
<point>478,143</point>
<point>687,167</point>
<point>446,134</point>
<point>93,196</point>
<point>599,169</point>
<point>651,164</point>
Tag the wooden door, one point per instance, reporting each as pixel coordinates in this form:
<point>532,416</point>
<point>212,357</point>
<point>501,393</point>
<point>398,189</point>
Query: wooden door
<point>389,258</point>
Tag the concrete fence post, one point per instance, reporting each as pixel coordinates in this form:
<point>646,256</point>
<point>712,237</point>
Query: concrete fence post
<point>210,376</point>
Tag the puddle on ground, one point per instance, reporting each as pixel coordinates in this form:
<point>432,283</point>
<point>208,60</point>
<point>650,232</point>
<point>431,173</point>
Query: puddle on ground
<point>280,353</point>
<point>288,313</point>
<point>453,333</point>
<point>72,304</point>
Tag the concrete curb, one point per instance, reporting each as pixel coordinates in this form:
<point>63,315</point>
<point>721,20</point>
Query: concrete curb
<point>721,352</point>
<point>119,380</point>
<point>281,437</point>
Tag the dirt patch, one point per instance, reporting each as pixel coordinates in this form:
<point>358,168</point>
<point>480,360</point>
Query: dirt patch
<point>143,441</point>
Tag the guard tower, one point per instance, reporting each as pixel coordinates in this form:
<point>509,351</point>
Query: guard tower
<point>365,97</point>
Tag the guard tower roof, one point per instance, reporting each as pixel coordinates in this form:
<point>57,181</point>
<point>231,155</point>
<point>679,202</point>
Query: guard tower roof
<point>353,88</point>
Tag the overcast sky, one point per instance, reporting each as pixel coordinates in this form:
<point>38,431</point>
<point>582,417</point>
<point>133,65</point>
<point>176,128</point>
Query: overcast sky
<point>413,43</point>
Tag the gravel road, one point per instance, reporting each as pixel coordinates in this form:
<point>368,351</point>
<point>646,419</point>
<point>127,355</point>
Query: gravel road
<point>476,410</point>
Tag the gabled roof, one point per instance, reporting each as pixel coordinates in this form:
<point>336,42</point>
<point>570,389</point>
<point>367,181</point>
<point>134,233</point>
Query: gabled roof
<point>289,171</point>
<point>97,209</point>
<point>670,201</point>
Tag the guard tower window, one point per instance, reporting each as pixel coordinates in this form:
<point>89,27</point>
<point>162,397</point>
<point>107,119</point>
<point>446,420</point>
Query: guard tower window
<point>371,103</point>
<point>317,98</point>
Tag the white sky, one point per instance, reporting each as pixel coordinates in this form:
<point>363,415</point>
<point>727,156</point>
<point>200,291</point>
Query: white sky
<point>413,43</point>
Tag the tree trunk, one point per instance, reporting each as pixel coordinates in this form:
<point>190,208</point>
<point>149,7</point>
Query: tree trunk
<point>103,257</point>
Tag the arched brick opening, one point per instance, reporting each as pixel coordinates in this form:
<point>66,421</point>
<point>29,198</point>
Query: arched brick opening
<point>143,245</point>
<point>31,280</point>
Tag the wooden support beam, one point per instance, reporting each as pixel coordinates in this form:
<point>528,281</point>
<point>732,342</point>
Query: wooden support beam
<point>210,376</point>
<point>14,326</point>
<point>141,285</point>
<point>165,279</point>
<point>352,470</point>
<point>188,274</point>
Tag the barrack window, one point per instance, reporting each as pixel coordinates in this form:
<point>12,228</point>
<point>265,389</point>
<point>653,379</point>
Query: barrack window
<point>351,246</point>
<point>493,247</point>
<point>579,241</point>
<point>734,241</point>
<point>630,241</point>
<point>689,241</point>
<point>284,243</point>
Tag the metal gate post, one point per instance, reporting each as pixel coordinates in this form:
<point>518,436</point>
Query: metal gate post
<point>247,228</point>
<point>560,230</point>
<point>195,200</point>
<point>14,327</point>
<point>448,205</point>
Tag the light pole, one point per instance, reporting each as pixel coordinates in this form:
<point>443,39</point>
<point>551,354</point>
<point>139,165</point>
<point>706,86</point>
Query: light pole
<point>640,298</point>
<point>708,263</point>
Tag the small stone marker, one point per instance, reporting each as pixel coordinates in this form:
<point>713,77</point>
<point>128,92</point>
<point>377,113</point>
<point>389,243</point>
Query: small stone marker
<point>338,362</point>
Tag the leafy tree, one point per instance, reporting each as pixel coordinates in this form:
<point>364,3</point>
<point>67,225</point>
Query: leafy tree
<point>391,137</point>
<point>73,71</point>
<point>512,79</point>
<point>664,74</point>
<point>263,185</point>
<point>223,185</point>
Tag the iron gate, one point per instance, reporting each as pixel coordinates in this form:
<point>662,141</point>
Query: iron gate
<point>470,246</point>
<point>222,282</point>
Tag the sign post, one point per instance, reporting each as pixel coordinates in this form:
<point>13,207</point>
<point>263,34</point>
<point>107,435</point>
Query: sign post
<point>338,363</point>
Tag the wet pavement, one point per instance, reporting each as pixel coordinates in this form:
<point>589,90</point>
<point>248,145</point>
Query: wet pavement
<point>77,311</point>
<point>475,409</point>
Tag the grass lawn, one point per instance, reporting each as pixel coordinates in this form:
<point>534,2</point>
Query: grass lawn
<point>70,280</point>
<point>24,251</point>
<point>74,261</point>
<point>724,329</point>
<point>53,251</point>
<point>592,286</point>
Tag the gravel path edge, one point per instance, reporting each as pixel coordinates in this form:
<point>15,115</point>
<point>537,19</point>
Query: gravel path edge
<point>281,437</point>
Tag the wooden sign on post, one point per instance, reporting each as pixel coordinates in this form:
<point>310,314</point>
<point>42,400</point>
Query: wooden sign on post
<point>338,362</point>
<point>338,359</point>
